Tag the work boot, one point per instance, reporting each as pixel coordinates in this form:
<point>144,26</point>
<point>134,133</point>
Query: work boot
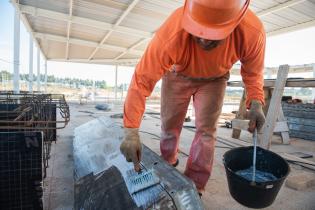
<point>176,163</point>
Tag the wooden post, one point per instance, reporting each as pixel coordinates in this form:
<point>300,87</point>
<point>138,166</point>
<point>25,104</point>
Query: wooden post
<point>241,114</point>
<point>267,96</point>
<point>284,134</point>
<point>274,107</point>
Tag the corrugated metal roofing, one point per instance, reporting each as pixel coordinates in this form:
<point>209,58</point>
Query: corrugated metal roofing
<point>118,31</point>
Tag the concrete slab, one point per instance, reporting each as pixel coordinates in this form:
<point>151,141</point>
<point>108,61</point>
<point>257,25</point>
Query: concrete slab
<point>216,196</point>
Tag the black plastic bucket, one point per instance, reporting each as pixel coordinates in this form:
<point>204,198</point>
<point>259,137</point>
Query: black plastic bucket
<point>254,195</point>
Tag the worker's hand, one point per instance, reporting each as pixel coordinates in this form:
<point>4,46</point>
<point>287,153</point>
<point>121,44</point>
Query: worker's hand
<point>256,116</point>
<point>131,147</point>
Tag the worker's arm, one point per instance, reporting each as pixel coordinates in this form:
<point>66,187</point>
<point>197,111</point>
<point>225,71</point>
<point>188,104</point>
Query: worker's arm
<point>252,69</point>
<point>154,63</point>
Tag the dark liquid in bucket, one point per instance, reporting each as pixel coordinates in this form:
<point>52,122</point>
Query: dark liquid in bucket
<point>260,176</point>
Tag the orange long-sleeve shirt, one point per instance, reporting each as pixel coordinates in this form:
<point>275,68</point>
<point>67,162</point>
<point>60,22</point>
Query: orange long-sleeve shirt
<point>172,45</point>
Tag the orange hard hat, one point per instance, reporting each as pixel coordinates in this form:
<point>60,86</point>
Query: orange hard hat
<point>213,19</point>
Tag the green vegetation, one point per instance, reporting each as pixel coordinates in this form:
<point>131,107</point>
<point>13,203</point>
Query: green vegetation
<point>5,75</point>
<point>73,82</point>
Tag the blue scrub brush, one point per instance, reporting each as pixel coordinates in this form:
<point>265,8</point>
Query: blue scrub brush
<point>142,180</point>
<point>143,186</point>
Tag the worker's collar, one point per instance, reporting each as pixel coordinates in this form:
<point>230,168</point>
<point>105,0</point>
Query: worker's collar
<point>206,44</point>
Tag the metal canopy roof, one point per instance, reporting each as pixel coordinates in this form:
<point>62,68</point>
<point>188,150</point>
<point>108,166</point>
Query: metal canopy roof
<point>118,31</point>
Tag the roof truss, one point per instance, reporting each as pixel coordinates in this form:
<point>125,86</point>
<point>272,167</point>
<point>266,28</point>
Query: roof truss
<point>109,28</point>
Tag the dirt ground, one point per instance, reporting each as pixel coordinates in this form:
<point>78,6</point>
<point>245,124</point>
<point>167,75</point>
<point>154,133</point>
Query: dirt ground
<point>58,192</point>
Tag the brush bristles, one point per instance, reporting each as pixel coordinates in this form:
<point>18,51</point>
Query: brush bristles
<point>147,197</point>
<point>141,181</point>
<point>144,186</point>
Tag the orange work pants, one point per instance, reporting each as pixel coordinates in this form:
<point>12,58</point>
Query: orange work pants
<point>208,95</point>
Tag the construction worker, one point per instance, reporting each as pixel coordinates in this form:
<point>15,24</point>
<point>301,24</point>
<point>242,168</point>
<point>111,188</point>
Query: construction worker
<point>193,52</point>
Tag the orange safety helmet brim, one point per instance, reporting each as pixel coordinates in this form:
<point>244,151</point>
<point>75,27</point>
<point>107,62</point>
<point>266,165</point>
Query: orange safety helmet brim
<point>217,24</point>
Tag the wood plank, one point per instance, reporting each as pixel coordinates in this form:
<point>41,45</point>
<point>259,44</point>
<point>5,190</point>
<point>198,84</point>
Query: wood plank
<point>243,125</point>
<point>284,129</point>
<point>305,163</point>
<point>274,107</point>
<point>236,142</point>
<point>281,126</point>
<point>272,83</point>
<point>285,137</point>
<point>267,93</point>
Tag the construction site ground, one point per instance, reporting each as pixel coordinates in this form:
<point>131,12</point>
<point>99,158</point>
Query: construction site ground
<point>59,183</point>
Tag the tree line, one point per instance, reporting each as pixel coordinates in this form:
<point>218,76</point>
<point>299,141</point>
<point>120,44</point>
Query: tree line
<point>5,75</point>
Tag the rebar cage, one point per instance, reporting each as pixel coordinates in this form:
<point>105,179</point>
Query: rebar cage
<point>34,112</point>
<point>31,113</point>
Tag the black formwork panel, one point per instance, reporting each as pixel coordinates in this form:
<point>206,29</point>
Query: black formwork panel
<point>21,170</point>
<point>7,107</point>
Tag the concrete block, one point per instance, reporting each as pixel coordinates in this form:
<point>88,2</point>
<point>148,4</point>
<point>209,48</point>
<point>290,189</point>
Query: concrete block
<point>301,181</point>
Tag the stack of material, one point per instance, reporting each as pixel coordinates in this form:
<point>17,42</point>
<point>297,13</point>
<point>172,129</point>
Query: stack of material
<point>28,124</point>
<point>301,120</point>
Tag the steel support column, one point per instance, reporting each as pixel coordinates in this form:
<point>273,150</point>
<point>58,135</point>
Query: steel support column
<point>116,76</point>
<point>45,76</point>
<point>30,64</point>
<point>16,53</point>
<point>38,70</point>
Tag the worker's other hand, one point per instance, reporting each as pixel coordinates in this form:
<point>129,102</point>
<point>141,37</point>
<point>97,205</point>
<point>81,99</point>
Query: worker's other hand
<point>256,116</point>
<point>131,147</point>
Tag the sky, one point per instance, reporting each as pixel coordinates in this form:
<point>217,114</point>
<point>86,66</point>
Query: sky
<point>292,48</point>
